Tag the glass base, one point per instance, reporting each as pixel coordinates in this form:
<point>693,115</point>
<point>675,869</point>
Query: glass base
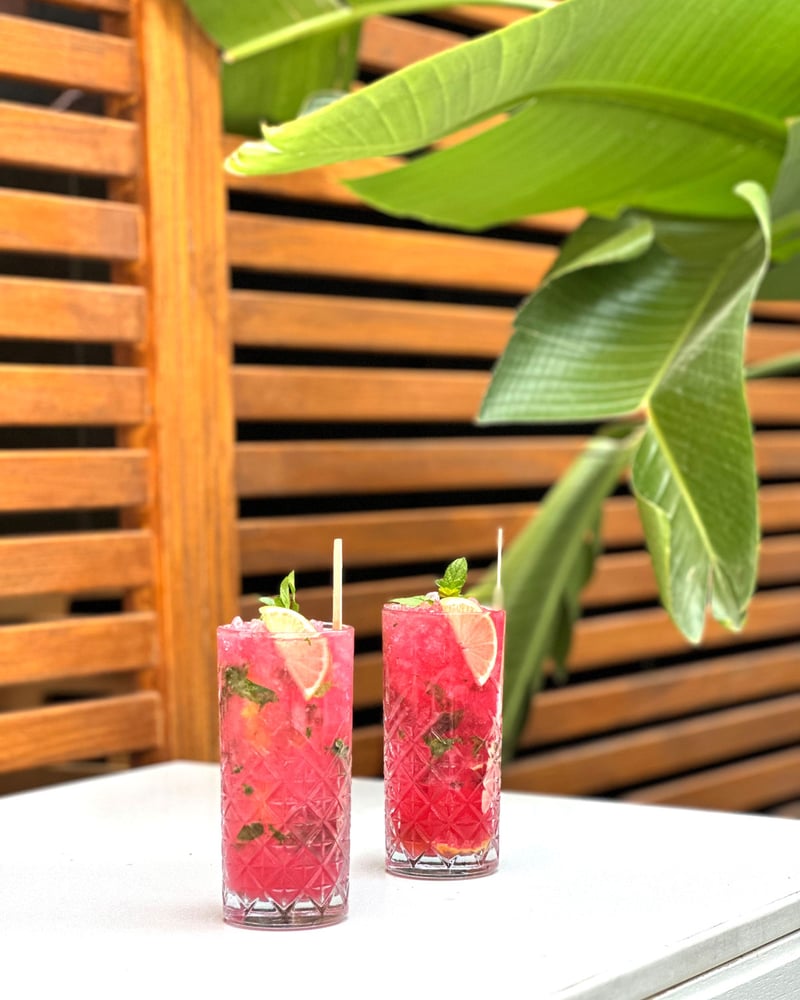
<point>265,914</point>
<point>433,866</point>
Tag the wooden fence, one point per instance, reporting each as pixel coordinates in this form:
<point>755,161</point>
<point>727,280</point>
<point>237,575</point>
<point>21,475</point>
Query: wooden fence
<point>207,379</point>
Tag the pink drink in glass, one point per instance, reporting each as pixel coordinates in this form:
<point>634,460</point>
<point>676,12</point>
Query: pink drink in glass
<point>285,755</point>
<point>442,741</point>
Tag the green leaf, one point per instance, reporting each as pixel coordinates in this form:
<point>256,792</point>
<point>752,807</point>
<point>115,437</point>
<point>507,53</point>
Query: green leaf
<point>455,576</point>
<point>782,283</point>
<point>251,831</point>
<point>694,475</point>
<point>238,683</point>
<point>785,201</point>
<point>614,106</point>
<point>286,597</point>
<point>545,566</point>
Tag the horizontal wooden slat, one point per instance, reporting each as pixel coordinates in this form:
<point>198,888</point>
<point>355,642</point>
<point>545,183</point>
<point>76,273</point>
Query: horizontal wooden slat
<point>291,392</point>
<point>381,538</point>
<point>632,635</point>
<point>75,563</point>
<point>378,253</point>
<point>39,138</point>
<point>36,223</point>
<point>74,478</point>
<point>282,468</point>
<point>77,647</point>
<point>368,681</point>
<point>788,310</point>
<point>388,43</point>
<point>775,400</point>
<point>744,786</point>
<point>327,322</point>
<point>54,395</point>
<point>580,710</point>
<point>767,341</point>
<point>294,392</point>
<point>66,57</point>
<point>104,6</point>
<point>311,467</point>
<point>368,751</point>
<point>778,454</point>
<point>44,309</point>
<point>627,577</point>
<point>80,730</point>
<point>619,761</point>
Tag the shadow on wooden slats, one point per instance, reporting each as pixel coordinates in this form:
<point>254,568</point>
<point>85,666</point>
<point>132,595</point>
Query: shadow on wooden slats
<point>54,224</point>
<point>45,309</point>
<point>86,144</point>
<point>80,730</point>
<point>65,57</point>
<point>388,44</point>
<point>73,478</point>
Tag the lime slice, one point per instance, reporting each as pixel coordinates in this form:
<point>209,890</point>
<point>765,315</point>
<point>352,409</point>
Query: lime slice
<point>475,633</point>
<point>309,661</point>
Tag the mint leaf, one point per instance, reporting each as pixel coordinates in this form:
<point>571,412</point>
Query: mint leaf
<point>455,576</point>
<point>250,832</point>
<point>286,597</point>
<point>340,749</point>
<point>237,682</point>
<point>411,602</point>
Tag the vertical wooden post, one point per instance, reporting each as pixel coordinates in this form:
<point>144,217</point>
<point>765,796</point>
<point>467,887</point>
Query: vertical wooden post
<point>191,431</point>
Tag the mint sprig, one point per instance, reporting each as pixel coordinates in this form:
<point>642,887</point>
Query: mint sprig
<point>286,597</point>
<point>455,576</point>
<point>450,585</point>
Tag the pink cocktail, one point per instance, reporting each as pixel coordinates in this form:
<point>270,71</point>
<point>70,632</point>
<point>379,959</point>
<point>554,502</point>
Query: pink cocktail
<point>286,701</point>
<point>442,663</point>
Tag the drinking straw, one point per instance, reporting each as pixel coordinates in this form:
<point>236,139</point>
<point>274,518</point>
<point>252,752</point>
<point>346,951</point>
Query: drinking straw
<point>497,596</point>
<point>337,583</point>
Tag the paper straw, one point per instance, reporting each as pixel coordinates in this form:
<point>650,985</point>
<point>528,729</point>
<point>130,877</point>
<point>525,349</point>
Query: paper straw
<point>497,596</point>
<point>337,583</point>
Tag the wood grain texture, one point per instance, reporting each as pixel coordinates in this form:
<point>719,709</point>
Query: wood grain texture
<point>46,309</point>
<point>53,395</point>
<point>328,322</point>
<point>307,468</point>
<point>291,392</point>
<point>383,253</point>
<point>66,57</point>
<point>389,43</point>
<point>744,786</point>
<point>81,562</point>
<point>86,144</point>
<point>583,710</point>
<point>186,353</point>
<point>77,647</point>
<point>80,730</point>
<point>80,478</point>
<point>36,223</point>
<point>103,6</point>
<point>634,758</point>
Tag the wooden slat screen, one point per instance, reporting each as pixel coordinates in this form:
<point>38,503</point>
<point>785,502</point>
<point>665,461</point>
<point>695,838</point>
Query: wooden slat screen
<point>363,346</point>
<point>97,653</point>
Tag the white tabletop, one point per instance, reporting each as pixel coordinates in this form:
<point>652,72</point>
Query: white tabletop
<point>114,883</point>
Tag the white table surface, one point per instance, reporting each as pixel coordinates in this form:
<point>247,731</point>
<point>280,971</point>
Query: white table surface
<point>112,884</point>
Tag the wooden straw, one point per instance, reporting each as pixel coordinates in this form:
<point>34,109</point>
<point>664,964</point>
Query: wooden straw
<point>497,596</point>
<point>337,583</point>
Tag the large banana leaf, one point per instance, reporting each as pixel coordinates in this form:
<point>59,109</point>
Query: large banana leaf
<point>659,333</point>
<point>276,53</point>
<point>545,568</point>
<point>615,105</point>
